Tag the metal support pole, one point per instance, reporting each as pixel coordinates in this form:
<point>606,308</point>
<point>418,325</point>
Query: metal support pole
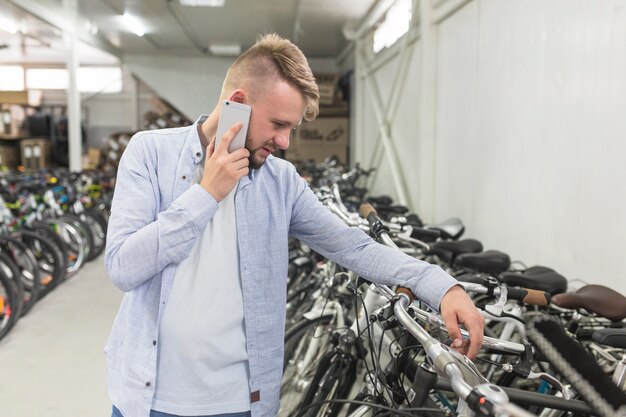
<point>73,95</point>
<point>427,116</point>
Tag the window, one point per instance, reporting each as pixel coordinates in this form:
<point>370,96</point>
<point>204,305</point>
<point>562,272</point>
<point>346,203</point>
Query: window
<point>46,78</point>
<point>90,79</point>
<point>395,24</point>
<point>11,78</point>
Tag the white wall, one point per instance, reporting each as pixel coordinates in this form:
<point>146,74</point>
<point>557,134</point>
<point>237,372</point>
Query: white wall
<point>191,84</point>
<point>530,131</point>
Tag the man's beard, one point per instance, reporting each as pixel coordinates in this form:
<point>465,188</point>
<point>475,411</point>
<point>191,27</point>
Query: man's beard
<point>253,161</point>
<point>254,164</point>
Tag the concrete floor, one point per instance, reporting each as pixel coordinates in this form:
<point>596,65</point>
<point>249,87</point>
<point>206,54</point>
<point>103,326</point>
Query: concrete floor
<point>51,363</point>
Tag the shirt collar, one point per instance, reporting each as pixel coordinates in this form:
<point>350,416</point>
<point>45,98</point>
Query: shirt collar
<point>197,150</point>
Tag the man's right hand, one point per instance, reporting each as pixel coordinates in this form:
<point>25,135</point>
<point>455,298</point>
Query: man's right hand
<point>222,170</point>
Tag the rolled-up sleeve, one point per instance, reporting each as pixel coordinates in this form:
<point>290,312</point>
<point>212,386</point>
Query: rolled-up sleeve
<point>350,247</point>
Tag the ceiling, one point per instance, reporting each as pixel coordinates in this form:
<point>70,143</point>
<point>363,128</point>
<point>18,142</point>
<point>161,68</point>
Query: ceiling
<point>173,29</point>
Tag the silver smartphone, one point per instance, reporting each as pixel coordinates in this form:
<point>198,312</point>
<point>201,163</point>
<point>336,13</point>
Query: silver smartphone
<point>231,113</point>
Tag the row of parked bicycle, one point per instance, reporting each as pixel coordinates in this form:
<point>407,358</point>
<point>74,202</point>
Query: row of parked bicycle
<point>51,223</point>
<point>360,349</point>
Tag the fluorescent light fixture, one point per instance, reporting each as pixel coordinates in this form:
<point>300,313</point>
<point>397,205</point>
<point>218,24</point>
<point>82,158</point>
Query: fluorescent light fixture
<point>225,49</point>
<point>134,24</point>
<point>202,3</point>
<point>8,25</point>
<point>91,27</point>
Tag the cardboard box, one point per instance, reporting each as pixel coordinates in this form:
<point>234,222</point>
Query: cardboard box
<point>9,155</point>
<point>14,97</point>
<point>327,85</point>
<point>35,153</point>
<point>323,131</point>
<point>94,156</point>
<point>317,153</point>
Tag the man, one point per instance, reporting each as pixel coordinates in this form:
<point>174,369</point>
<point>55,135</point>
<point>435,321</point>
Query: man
<point>199,243</point>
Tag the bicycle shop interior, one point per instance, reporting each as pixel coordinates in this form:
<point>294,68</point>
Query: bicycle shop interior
<point>482,141</point>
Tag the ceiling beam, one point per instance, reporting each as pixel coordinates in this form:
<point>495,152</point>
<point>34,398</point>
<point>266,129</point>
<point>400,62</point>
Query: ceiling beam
<point>58,18</point>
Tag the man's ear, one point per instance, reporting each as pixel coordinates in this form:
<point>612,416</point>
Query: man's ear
<point>238,95</point>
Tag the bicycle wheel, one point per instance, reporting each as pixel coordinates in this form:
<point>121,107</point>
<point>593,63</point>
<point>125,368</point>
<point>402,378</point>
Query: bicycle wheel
<point>85,232</point>
<point>11,271</point>
<point>98,227</point>
<point>74,244</point>
<point>25,261</point>
<point>48,256</point>
<point>331,382</point>
<point>8,300</point>
<point>297,374</point>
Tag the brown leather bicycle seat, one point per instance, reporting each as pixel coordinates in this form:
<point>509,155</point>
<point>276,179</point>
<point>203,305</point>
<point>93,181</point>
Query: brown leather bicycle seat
<point>597,299</point>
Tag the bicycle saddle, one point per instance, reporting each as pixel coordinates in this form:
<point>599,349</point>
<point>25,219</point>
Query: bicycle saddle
<point>382,200</point>
<point>596,299</point>
<point>449,249</point>
<point>397,209</point>
<point>537,278</point>
<point>489,262</point>
<point>610,337</point>
<point>450,229</point>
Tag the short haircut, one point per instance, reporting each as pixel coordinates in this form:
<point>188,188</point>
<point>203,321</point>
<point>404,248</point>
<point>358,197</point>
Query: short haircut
<point>269,58</point>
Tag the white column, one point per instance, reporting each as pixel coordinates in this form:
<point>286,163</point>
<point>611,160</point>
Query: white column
<point>427,116</point>
<point>73,95</point>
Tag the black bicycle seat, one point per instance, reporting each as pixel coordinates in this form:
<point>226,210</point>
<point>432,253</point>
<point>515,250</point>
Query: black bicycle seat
<point>450,229</point>
<point>537,278</point>
<point>489,262</point>
<point>610,337</point>
<point>449,249</point>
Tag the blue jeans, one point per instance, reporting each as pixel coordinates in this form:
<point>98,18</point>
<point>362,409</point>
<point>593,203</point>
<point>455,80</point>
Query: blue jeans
<point>117,413</point>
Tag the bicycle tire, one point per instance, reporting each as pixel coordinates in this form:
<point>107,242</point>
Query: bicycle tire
<point>49,257</point>
<point>98,227</point>
<point>23,257</point>
<point>334,382</point>
<point>74,243</point>
<point>8,298</point>
<point>297,337</point>
<point>12,272</point>
<point>85,232</point>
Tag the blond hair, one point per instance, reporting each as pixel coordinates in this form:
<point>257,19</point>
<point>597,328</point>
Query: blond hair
<point>269,58</point>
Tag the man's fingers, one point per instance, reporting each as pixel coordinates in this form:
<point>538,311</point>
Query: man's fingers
<point>475,328</point>
<point>241,163</point>
<point>453,331</point>
<point>210,149</point>
<point>228,137</point>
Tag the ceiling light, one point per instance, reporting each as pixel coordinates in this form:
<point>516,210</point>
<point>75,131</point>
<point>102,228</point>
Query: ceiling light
<point>202,3</point>
<point>8,25</point>
<point>134,24</point>
<point>225,49</point>
<point>91,27</point>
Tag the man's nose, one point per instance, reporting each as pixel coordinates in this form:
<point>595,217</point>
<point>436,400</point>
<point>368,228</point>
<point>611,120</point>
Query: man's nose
<point>282,140</point>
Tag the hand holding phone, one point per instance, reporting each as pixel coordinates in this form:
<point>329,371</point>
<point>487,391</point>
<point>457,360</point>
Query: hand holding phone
<point>231,113</point>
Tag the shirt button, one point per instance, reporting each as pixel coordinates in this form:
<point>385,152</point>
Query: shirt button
<point>198,154</point>
<point>154,343</point>
<point>184,177</point>
<point>148,384</point>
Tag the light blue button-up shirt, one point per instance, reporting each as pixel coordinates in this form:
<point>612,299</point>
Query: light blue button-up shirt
<point>157,214</point>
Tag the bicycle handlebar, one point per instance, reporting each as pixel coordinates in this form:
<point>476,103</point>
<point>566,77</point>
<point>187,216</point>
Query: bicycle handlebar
<point>525,295</point>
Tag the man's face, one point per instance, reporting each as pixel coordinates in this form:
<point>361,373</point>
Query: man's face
<point>274,115</point>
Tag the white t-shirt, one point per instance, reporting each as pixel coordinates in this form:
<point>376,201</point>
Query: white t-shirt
<point>202,365</point>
